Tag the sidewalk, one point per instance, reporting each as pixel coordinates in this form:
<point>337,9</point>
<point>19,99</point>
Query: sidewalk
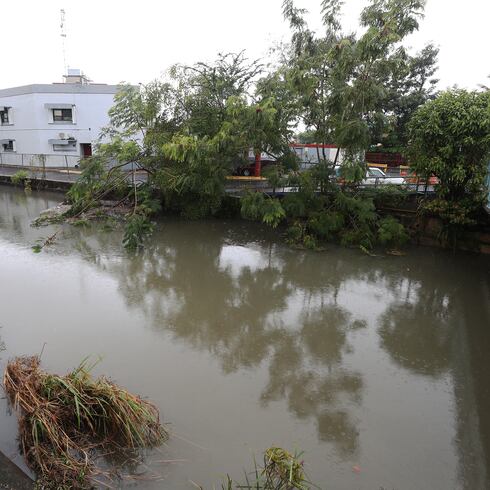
<point>56,175</point>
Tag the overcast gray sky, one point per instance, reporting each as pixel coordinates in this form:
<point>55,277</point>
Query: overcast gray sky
<point>135,41</point>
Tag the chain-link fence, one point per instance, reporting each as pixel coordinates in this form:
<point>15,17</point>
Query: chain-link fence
<point>40,161</point>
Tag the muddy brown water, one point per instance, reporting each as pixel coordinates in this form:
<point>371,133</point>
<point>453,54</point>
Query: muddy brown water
<point>375,367</point>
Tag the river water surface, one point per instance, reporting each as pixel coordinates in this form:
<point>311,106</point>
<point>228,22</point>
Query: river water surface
<point>376,367</point>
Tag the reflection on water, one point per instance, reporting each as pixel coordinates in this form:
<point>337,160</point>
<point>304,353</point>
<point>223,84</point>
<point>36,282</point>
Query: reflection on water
<point>417,332</point>
<point>360,361</point>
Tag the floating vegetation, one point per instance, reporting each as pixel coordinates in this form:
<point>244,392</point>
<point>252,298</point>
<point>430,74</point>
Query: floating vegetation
<point>67,422</point>
<point>47,220</point>
<point>51,216</point>
<point>282,470</point>
<point>80,222</point>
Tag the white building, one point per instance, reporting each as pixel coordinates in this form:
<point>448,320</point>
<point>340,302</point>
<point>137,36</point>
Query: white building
<point>60,121</point>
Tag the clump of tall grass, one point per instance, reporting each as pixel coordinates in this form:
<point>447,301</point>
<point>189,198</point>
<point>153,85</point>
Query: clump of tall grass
<point>20,177</point>
<point>281,470</point>
<point>67,422</point>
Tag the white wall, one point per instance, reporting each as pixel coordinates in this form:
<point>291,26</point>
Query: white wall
<point>33,127</point>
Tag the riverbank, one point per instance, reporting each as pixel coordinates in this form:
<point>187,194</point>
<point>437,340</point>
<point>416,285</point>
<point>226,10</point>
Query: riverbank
<point>49,184</point>
<point>425,230</point>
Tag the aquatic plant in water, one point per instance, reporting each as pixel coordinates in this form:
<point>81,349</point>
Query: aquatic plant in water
<point>281,470</point>
<point>67,422</point>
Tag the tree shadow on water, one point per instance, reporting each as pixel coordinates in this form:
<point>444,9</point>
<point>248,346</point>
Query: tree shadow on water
<point>250,308</point>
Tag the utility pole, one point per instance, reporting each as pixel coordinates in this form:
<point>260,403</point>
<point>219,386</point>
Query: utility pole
<point>63,39</point>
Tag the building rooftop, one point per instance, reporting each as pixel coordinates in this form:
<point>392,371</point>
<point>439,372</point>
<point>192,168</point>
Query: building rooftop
<point>61,88</point>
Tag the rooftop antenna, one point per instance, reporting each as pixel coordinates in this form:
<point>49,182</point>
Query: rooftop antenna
<point>63,39</point>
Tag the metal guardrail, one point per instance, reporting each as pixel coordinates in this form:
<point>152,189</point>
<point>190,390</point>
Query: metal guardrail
<point>39,160</point>
<point>415,186</point>
<point>38,165</point>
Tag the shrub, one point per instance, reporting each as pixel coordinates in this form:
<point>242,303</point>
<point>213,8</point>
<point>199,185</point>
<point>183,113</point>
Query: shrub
<point>281,470</point>
<point>20,177</point>
<point>326,224</point>
<point>294,233</point>
<point>309,242</point>
<point>450,138</point>
<point>295,206</point>
<point>391,232</point>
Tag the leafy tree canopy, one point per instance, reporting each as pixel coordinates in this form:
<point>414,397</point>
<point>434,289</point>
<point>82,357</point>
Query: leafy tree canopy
<point>353,89</point>
<point>190,131</point>
<point>450,138</point>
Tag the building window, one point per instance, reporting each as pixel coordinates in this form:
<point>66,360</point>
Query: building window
<point>4,116</point>
<point>63,115</point>
<point>8,145</point>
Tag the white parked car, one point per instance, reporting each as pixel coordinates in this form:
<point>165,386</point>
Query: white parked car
<point>375,176</point>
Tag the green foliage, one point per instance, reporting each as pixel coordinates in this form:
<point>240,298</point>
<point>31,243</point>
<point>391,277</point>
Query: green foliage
<point>80,223</point>
<point>109,224</point>
<point>295,205</point>
<point>252,205</point>
<point>192,129</point>
<point>147,200</point>
<point>357,209</point>
<point>275,176</point>
<point>294,233</point>
<point>20,177</point>
<point>309,241</point>
<point>347,89</point>
<point>360,217</point>
<point>230,208</point>
<point>272,212</point>
<point>326,224</point>
<point>48,219</point>
<point>258,207</point>
<point>195,175</point>
<point>322,175</point>
<point>412,87</point>
<point>305,198</point>
<point>387,195</point>
<point>455,214</point>
<point>450,138</point>
<point>138,227</point>
<point>205,90</point>
<point>95,181</point>
<point>344,217</point>
<point>391,232</point>
<point>281,470</point>
<point>136,109</point>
